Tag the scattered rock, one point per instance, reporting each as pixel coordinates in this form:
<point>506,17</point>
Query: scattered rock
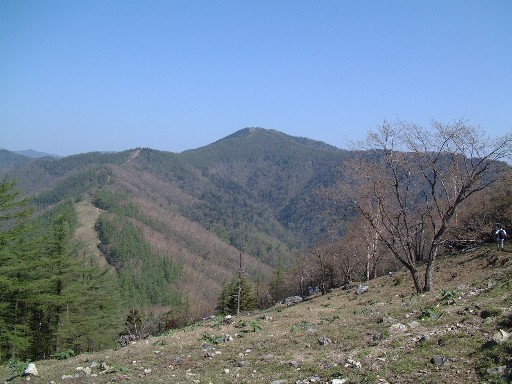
<point>439,360</point>
<point>362,289</point>
<point>70,377</point>
<point>228,338</point>
<point>499,371</point>
<point>85,370</point>
<point>31,370</point>
<point>397,328</point>
<point>292,300</point>
<point>385,320</point>
<point>312,379</point>
<point>349,363</point>
<point>339,381</point>
<point>501,336</point>
<point>279,382</point>
<point>324,340</point>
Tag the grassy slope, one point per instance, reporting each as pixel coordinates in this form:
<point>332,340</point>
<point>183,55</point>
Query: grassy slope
<point>362,328</point>
<point>86,233</point>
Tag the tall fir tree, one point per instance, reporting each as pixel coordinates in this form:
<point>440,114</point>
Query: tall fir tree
<point>228,299</point>
<point>18,258</point>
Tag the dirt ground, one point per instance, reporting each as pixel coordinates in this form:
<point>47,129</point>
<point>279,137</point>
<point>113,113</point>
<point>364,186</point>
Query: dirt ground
<point>387,334</point>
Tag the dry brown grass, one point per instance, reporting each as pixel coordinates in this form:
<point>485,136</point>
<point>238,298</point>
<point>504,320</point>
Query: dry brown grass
<point>284,343</point>
<point>85,233</point>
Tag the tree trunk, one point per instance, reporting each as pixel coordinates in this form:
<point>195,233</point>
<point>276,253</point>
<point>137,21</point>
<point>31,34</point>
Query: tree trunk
<point>428,277</point>
<point>430,271</point>
<point>368,266</point>
<point>416,279</point>
<point>239,293</point>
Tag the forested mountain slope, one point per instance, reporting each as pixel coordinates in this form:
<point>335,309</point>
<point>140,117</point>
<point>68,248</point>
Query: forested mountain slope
<point>10,160</point>
<point>191,214</point>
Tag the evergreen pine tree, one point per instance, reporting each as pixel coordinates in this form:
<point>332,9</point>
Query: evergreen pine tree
<point>84,312</point>
<point>49,299</point>
<point>277,289</point>
<point>93,316</point>
<point>17,252</point>
<point>228,299</point>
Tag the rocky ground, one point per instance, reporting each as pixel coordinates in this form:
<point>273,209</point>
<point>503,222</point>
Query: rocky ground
<point>379,333</point>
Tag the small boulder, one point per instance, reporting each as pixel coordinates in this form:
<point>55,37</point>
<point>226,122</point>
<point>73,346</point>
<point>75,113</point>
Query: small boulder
<point>501,336</point>
<point>439,360</point>
<point>397,328</point>
<point>352,364</point>
<point>31,370</point>
<point>362,289</point>
<point>499,371</point>
<point>423,340</point>
<point>324,340</point>
<point>228,338</point>
<point>292,300</point>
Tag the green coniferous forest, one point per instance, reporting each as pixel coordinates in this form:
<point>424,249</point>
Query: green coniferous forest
<point>145,278</point>
<point>53,296</point>
<point>50,300</point>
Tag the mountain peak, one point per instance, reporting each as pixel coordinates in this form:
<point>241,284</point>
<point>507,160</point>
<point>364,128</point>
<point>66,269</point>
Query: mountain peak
<point>249,131</point>
<point>274,135</point>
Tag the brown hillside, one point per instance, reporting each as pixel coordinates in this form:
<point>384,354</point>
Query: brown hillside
<point>207,261</point>
<point>385,335</point>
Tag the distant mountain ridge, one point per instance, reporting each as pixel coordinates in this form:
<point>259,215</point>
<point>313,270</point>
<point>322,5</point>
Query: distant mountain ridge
<point>12,159</point>
<point>252,192</point>
<point>9,159</point>
<point>35,154</point>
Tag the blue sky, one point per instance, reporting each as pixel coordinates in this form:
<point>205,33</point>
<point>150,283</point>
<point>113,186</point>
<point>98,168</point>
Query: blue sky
<point>80,76</point>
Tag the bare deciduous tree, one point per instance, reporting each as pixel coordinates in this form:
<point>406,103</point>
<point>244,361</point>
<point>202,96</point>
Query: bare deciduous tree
<point>410,182</point>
